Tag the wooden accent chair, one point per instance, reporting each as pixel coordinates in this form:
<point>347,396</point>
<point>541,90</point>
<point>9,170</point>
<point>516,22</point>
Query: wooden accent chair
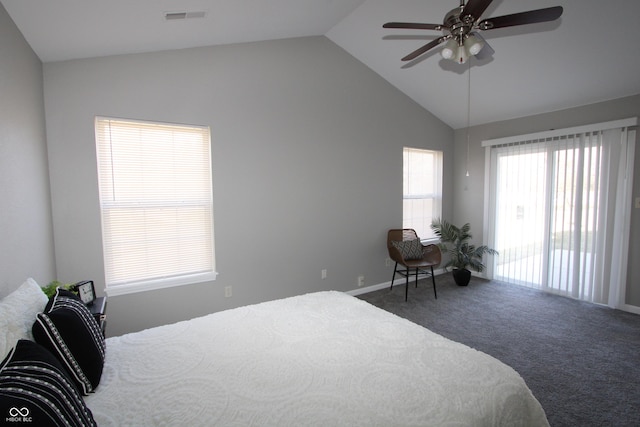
<point>407,251</point>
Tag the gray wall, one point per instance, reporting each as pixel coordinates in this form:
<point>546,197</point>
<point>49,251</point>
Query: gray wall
<point>307,158</point>
<point>26,234</point>
<point>469,192</point>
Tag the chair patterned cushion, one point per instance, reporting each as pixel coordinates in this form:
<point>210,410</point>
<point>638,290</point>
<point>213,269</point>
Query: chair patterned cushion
<point>410,249</point>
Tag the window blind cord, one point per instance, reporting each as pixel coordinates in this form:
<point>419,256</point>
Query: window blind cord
<point>113,173</point>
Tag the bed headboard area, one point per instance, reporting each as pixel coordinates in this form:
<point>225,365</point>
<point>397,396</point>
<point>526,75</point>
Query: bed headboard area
<point>7,288</point>
<point>53,353</point>
<point>18,311</point>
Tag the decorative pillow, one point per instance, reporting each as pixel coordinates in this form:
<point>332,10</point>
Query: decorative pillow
<point>17,312</point>
<point>410,249</point>
<point>70,332</point>
<point>35,390</point>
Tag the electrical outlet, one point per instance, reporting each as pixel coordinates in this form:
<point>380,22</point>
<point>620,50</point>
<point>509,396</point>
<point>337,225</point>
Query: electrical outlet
<point>387,262</point>
<point>228,291</point>
<point>323,273</point>
<point>637,202</point>
<point>361,280</point>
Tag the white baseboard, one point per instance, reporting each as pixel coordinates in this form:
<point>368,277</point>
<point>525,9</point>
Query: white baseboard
<point>367,289</point>
<point>630,308</point>
<point>372,288</point>
<point>360,291</point>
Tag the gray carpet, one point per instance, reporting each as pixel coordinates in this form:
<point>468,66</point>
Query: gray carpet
<point>581,361</point>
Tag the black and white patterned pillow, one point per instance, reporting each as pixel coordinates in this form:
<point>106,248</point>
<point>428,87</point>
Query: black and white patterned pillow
<point>35,390</point>
<point>410,249</point>
<point>70,332</point>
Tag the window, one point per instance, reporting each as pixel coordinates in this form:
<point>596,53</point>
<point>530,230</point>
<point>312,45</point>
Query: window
<point>156,202</point>
<point>422,190</point>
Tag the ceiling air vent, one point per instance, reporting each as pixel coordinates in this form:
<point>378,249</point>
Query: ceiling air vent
<point>176,16</point>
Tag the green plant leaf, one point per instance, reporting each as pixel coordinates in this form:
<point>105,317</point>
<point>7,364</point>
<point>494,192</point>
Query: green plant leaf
<point>456,243</point>
<point>50,289</point>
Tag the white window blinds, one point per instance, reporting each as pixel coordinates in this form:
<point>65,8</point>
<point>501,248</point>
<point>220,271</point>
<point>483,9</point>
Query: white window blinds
<point>422,190</point>
<point>156,202</point>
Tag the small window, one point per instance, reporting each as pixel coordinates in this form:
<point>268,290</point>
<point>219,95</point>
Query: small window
<point>156,201</point>
<point>422,190</point>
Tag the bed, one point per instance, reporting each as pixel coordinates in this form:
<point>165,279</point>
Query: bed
<point>325,359</point>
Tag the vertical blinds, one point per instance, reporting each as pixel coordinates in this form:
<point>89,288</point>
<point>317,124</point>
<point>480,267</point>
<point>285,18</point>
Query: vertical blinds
<point>156,200</point>
<point>560,211</point>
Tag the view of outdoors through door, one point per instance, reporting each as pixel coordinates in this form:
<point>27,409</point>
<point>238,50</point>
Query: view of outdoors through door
<point>520,216</point>
<point>545,214</point>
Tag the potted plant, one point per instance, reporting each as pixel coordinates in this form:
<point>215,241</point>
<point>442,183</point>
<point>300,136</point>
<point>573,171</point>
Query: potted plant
<point>50,289</point>
<point>455,241</point>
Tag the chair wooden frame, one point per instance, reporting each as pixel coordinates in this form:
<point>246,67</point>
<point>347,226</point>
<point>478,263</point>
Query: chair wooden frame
<point>431,257</point>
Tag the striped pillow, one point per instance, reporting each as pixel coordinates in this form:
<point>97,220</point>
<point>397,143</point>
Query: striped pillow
<point>70,332</point>
<point>35,390</point>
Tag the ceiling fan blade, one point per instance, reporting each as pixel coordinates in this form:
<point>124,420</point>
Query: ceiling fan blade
<point>522,18</point>
<point>474,9</point>
<point>412,26</point>
<point>423,49</point>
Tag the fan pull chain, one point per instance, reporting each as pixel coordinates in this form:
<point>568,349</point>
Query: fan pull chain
<point>468,111</point>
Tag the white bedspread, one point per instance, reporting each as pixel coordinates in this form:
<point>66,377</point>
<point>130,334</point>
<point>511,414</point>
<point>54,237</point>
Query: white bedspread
<point>322,359</point>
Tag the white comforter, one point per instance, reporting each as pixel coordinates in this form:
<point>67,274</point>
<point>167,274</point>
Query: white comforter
<point>322,359</point>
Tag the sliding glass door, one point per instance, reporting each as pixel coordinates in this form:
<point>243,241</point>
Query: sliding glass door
<point>558,211</point>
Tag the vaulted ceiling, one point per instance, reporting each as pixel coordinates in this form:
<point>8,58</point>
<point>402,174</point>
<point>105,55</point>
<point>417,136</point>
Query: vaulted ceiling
<point>591,54</point>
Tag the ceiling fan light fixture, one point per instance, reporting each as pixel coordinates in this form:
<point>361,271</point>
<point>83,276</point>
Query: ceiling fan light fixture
<point>449,50</point>
<point>461,54</point>
<point>473,44</point>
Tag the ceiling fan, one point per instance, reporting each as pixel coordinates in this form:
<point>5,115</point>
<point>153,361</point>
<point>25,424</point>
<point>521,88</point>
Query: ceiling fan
<point>461,26</point>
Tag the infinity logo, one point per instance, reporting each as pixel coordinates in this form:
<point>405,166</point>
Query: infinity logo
<point>14,412</point>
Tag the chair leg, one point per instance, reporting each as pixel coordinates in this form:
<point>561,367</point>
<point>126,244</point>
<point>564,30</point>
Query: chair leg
<point>417,269</point>
<point>406,289</point>
<point>394,275</point>
<point>433,277</point>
